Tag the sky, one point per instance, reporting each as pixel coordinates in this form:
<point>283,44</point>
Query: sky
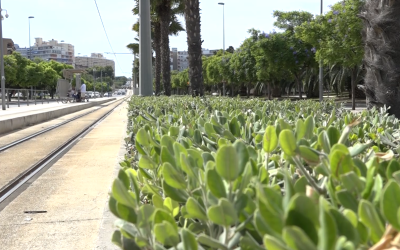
<point>78,22</point>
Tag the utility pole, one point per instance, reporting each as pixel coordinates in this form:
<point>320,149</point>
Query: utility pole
<point>3,78</point>
<point>223,51</point>
<point>145,50</point>
<point>94,83</point>
<point>321,71</point>
<point>101,79</point>
<point>134,71</point>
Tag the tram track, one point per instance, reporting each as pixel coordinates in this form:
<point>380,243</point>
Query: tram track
<point>31,136</point>
<point>16,183</point>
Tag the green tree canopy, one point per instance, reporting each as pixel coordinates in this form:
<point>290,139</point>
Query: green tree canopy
<point>337,37</point>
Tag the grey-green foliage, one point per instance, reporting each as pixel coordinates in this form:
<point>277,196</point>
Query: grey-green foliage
<point>225,173</point>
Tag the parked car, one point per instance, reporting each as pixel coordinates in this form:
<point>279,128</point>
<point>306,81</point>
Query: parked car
<point>96,94</point>
<point>89,94</point>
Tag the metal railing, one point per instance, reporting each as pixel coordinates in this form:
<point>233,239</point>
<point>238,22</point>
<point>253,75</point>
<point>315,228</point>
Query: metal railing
<point>30,96</point>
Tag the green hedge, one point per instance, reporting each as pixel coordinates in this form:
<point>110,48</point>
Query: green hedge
<point>221,173</point>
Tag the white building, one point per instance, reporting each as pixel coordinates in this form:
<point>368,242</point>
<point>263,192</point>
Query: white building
<point>180,59</point>
<point>50,50</point>
<point>95,59</point>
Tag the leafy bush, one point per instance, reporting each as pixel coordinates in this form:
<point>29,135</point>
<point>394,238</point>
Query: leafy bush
<point>225,173</point>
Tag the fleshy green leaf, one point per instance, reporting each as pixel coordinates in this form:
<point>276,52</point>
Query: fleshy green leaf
<point>296,239</point>
<point>309,124</point>
<point>142,137</point>
<point>288,142</point>
<point>270,139</point>
<point>194,210</point>
<point>166,234</point>
<point>223,214</point>
<point>272,243</point>
<point>390,203</point>
<point>208,241</point>
<point>188,240</point>
<point>215,183</point>
<point>227,163</point>
<point>147,163</point>
<point>172,177</point>
<point>369,216</point>
<point>172,206</point>
<point>122,195</point>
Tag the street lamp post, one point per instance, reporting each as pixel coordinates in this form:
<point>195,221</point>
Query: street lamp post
<point>223,29</point>
<point>3,78</point>
<point>134,70</point>
<point>101,80</point>
<point>145,50</point>
<point>321,71</point>
<point>94,83</point>
<point>30,49</point>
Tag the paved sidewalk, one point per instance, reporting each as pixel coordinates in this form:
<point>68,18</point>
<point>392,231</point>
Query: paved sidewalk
<point>74,194</point>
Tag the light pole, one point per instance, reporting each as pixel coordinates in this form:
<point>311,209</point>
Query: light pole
<point>30,49</point>
<point>321,71</point>
<point>145,50</point>
<point>223,29</point>
<point>101,80</point>
<point>3,78</point>
<point>94,83</point>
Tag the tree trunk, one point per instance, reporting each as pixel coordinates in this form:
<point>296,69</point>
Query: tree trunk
<point>248,90</point>
<point>299,85</point>
<point>232,90</point>
<point>165,16</point>
<point>269,92</point>
<point>157,49</point>
<point>192,16</point>
<point>353,87</point>
<point>382,54</point>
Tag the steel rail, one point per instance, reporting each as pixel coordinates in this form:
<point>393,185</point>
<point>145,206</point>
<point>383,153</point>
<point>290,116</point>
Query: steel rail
<point>21,179</point>
<point>27,138</point>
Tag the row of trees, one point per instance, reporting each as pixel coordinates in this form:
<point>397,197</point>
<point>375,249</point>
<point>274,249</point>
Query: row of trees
<point>356,42</point>
<point>269,60</point>
<point>99,79</point>
<point>21,72</point>
<point>278,61</point>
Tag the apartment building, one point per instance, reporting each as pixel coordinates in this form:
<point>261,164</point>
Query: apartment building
<point>95,59</point>
<point>8,46</point>
<point>50,50</point>
<point>180,59</point>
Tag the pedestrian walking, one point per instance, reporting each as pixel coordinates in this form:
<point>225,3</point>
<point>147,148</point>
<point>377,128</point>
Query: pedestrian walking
<point>83,91</point>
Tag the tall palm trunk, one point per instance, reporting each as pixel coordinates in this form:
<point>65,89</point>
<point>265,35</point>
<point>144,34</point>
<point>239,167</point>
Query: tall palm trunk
<point>157,48</point>
<point>382,54</point>
<point>192,16</point>
<point>165,19</point>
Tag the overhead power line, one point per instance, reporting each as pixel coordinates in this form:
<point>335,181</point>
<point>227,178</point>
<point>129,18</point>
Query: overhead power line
<point>101,19</point>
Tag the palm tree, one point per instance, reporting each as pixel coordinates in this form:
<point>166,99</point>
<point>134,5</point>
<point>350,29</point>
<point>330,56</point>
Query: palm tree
<point>382,54</point>
<point>174,28</point>
<point>192,16</point>
<point>167,11</point>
